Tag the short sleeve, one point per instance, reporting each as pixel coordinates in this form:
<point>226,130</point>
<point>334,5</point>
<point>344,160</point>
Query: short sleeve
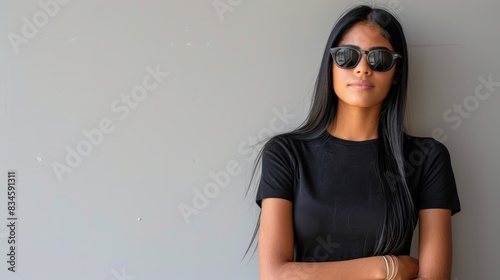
<point>438,188</point>
<point>277,176</point>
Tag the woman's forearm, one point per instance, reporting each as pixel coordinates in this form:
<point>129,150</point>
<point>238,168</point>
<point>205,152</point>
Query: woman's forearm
<point>370,268</point>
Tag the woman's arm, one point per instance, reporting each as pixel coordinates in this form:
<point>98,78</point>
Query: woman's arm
<point>276,253</point>
<point>434,251</point>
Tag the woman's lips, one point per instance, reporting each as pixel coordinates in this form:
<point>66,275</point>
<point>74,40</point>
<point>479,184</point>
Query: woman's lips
<point>361,84</point>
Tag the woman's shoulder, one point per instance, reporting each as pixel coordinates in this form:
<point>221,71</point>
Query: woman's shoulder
<point>297,140</point>
<point>292,143</point>
<point>428,147</point>
<point>280,142</point>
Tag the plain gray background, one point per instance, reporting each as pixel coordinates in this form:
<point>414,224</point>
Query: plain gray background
<point>180,139</point>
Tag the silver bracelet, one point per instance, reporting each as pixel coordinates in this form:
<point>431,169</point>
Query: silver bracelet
<point>386,268</point>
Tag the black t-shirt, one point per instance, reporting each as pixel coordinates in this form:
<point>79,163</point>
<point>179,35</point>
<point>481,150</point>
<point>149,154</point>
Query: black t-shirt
<point>333,184</point>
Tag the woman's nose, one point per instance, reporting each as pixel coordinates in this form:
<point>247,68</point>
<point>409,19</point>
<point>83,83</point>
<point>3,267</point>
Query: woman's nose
<point>363,67</point>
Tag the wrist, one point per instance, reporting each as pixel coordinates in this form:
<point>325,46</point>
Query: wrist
<point>391,267</point>
<point>382,267</point>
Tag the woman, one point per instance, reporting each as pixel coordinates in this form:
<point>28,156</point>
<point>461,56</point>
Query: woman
<point>340,196</point>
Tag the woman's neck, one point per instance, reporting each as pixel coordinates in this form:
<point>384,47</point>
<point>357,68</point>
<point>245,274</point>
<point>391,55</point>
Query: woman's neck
<point>355,123</point>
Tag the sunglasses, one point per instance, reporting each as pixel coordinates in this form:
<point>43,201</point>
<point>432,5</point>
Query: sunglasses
<point>380,60</point>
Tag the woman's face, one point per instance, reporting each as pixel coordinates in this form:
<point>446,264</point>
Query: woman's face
<point>377,84</point>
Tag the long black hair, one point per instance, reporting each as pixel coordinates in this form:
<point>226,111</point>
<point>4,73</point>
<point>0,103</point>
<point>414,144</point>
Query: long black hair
<point>400,214</point>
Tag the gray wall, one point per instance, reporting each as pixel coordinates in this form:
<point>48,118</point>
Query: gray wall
<point>116,116</point>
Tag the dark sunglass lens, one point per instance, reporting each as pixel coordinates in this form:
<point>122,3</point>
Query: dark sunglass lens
<point>346,57</point>
<point>380,60</point>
